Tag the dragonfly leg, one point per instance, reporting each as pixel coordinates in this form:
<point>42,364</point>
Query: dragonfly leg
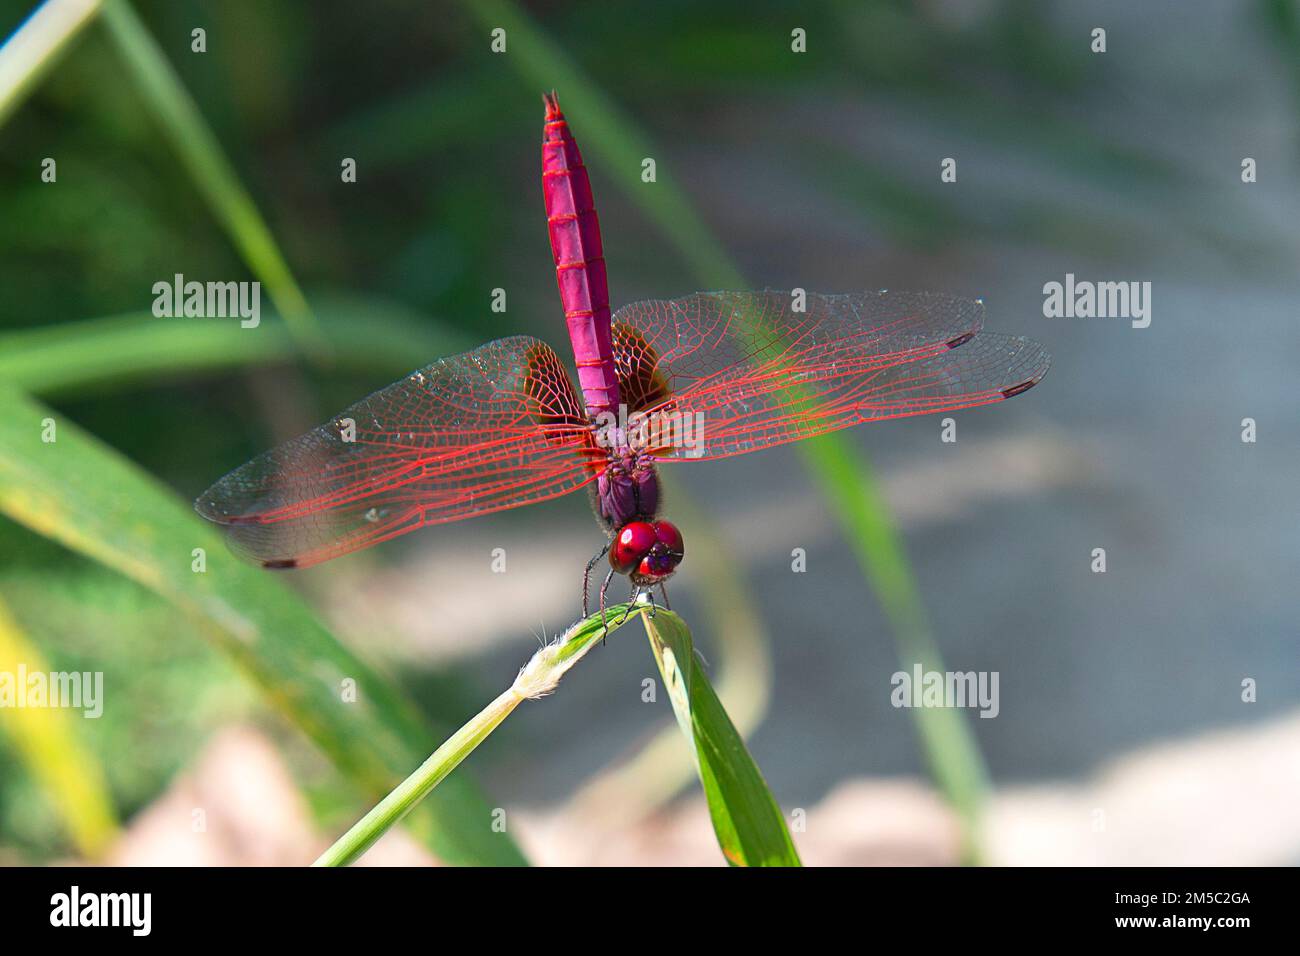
<point>630,601</point>
<point>663,588</point>
<point>650,593</point>
<point>603,589</point>
<point>586,579</point>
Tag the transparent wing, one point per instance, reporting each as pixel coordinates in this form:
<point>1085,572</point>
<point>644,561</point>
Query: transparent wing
<point>494,428</point>
<point>742,371</point>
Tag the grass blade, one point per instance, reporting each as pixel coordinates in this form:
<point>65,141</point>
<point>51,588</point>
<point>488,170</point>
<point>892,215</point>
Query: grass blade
<point>539,677</point>
<point>746,817</point>
<point>33,49</point>
<point>216,179</point>
<point>951,751</point>
<point>86,496</point>
<point>121,349</point>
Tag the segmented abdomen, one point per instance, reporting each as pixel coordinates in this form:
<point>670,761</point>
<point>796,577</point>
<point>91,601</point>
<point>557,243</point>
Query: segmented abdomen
<point>579,261</point>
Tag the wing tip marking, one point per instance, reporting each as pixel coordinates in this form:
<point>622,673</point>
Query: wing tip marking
<point>1021,388</point>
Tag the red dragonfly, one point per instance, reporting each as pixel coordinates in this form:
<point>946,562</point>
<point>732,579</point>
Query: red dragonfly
<point>706,376</point>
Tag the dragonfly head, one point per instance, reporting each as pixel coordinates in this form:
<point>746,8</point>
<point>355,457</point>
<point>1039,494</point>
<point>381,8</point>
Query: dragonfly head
<point>647,551</point>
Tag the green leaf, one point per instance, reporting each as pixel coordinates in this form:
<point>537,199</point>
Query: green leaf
<point>746,817</point>
<point>83,494</point>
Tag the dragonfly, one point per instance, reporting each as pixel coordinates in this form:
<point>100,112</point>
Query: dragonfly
<point>661,382</point>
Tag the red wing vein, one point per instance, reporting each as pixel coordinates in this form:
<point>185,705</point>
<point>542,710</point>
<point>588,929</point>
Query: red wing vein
<point>760,374</point>
<point>495,428</point>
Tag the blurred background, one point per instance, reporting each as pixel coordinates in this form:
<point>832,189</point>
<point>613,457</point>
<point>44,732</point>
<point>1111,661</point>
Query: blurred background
<point>1122,736</point>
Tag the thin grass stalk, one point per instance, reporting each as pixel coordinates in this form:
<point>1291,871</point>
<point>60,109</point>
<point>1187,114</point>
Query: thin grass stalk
<point>539,677</point>
<point>212,172</point>
<point>32,50</point>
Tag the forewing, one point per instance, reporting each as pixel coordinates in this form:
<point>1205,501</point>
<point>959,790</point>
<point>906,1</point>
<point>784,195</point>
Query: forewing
<point>494,428</point>
<point>725,373</point>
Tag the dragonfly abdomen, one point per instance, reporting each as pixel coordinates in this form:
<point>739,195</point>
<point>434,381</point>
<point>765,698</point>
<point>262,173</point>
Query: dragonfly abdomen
<point>579,261</point>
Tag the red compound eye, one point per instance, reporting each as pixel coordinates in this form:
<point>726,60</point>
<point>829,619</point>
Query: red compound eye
<point>632,543</point>
<point>656,566</point>
<point>668,535</point>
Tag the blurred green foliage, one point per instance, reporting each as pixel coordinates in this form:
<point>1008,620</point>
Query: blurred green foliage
<point>446,144</point>
<point>91,619</point>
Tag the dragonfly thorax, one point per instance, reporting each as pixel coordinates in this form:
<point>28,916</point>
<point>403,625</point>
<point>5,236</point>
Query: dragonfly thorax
<point>627,490</point>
